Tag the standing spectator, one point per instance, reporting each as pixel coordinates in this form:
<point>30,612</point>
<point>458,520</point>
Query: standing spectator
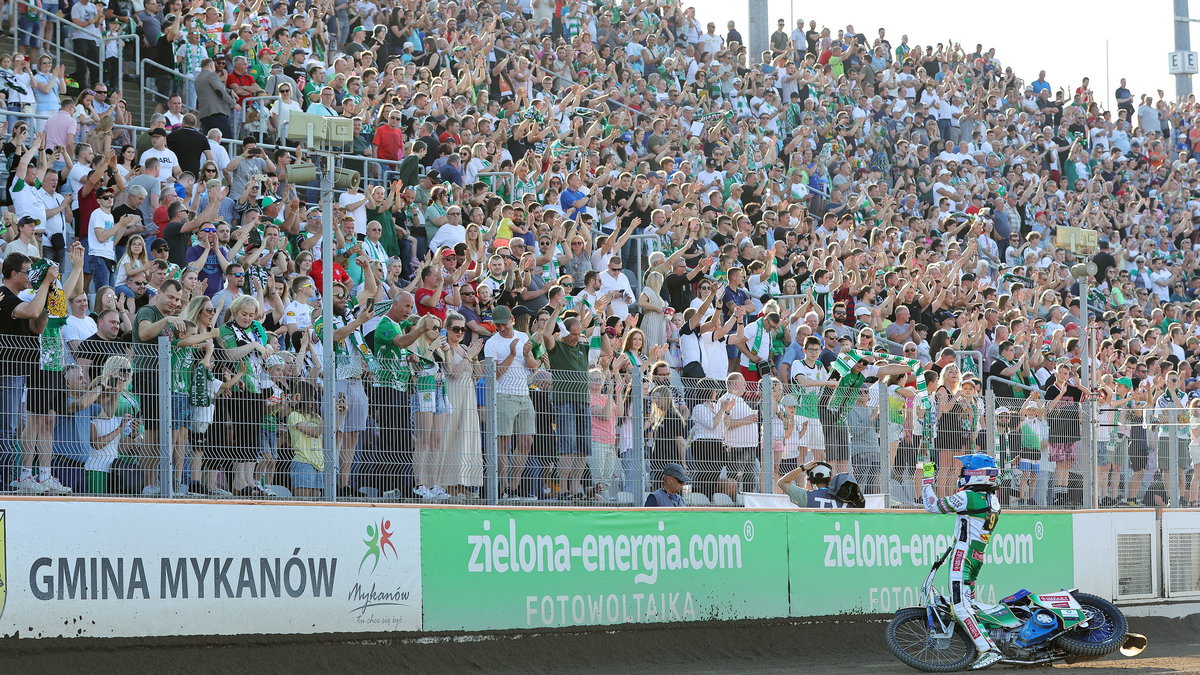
<point>1062,402</point>
<point>214,103</point>
<point>102,235</point>
<point>389,138</point>
<point>460,462</point>
<point>189,145</point>
<point>568,357</point>
<point>513,353</point>
<point>740,423</point>
<point>158,318</point>
<point>88,20</point>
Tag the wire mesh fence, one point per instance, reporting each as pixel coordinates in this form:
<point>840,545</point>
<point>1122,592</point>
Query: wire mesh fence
<point>233,413</point>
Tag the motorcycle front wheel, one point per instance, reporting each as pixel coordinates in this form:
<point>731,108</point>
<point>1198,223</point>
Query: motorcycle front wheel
<point>909,639</point>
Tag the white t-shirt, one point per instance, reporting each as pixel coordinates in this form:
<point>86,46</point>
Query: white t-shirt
<point>763,347</point>
<point>101,249</point>
<point>618,306</point>
<point>78,328</point>
<point>75,180</point>
<point>515,380</point>
<point>167,161</point>
<point>298,313</point>
<point>713,356</point>
<point>746,435</point>
<point>360,213</point>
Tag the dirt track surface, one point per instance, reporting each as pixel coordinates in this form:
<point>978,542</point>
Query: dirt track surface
<point>829,647</point>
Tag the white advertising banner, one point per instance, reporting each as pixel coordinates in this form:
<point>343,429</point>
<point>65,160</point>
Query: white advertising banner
<point>130,569</point>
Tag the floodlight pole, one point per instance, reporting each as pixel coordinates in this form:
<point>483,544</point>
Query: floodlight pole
<point>324,161</point>
<point>1183,43</point>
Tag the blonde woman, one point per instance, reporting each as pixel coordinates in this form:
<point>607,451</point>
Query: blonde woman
<point>428,362</point>
<point>653,323</point>
<point>109,424</point>
<point>459,465</point>
<point>951,424</point>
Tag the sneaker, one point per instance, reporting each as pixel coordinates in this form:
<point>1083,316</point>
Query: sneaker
<point>392,494</point>
<point>259,490</point>
<point>422,491</point>
<point>151,491</point>
<point>438,492</point>
<point>181,490</point>
<point>54,487</point>
<point>218,492</point>
<point>29,484</point>
<point>525,496</point>
<point>986,659</point>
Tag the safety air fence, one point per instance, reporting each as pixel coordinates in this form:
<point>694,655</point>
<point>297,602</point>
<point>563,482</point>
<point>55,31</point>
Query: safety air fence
<point>107,568</point>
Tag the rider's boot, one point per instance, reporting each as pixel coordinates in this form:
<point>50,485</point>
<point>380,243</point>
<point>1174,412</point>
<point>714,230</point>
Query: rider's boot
<point>986,659</point>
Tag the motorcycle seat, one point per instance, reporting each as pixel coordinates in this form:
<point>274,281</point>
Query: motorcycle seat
<point>986,608</point>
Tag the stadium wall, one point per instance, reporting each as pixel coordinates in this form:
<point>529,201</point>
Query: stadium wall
<point>105,568</point>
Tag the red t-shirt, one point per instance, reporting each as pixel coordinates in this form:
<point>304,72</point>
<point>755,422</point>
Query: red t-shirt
<point>244,80</point>
<point>388,142</point>
<point>422,309</point>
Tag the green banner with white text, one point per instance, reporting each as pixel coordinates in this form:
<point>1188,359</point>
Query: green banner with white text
<point>847,562</point>
<point>529,568</point>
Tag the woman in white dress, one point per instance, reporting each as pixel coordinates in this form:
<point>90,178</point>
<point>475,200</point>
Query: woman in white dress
<point>460,463</point>
<point>653,322</point>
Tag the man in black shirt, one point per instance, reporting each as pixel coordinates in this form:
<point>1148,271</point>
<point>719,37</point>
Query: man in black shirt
<point>92,352</point>
<point>1062,402</point>
<point>189,144</point>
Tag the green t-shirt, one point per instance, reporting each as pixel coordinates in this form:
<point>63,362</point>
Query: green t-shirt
<point>569,367</point>
<point>145,357</point>
<point>183,359</point>
<point>393,361</point>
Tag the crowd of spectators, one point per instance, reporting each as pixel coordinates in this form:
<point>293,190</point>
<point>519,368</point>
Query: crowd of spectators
<point>839,209</point>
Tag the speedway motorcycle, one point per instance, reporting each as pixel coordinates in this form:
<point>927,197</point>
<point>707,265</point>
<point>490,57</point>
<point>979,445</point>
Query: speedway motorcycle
<point>1029,629</point>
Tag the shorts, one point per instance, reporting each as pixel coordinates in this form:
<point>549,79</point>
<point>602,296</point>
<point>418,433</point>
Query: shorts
<point>47,392</point>
<point>429,401</point>
<point>837,444</point>
<point>812,437</point>
<point>1139,454</point>
<point>356,405</point>
<point>30,29</point>
<point>305,475</point>
<point>752,379</point>
<point>181,411</point>
<point>95,265</point>
<point>269,446</point>
<point>1062,452</point>
<point>515,415</point>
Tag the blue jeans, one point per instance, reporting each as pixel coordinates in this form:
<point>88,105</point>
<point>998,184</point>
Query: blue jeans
<point>101,270</point>
<point>573,424</point>
<point>11,389</point>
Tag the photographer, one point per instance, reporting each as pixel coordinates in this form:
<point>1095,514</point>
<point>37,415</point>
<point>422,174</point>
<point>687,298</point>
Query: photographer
<point>252,162</point>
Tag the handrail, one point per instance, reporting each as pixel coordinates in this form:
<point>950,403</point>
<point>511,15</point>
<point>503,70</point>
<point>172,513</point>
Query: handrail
<point>1011,383</point>
<point>142,82</point>
<point>246,104</point>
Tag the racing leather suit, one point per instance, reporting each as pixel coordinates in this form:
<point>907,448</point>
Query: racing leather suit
<point>977,513</point>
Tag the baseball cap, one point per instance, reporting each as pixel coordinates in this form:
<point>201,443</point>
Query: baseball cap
<point>862,311</point>
<point>267,201</point>
<point>501,315</point>
<point>448,253</point>
<point>158,132</point>
<point>1125,382</point>
<point>1071,326</point>
<point>676,471</point>
<point>25,220</point>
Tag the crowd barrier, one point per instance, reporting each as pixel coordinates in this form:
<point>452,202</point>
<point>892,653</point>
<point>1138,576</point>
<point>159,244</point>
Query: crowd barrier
<point>140,568</point>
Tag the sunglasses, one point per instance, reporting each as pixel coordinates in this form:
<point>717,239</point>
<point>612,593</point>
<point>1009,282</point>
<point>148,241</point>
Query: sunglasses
<point>457,329</point>
<point>239,274</point>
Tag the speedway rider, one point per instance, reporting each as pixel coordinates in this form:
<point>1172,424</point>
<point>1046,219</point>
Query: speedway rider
<point>978,510</point>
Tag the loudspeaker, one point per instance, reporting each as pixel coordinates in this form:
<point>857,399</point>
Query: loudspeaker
<point>300,173</point>
<point>345,178</point>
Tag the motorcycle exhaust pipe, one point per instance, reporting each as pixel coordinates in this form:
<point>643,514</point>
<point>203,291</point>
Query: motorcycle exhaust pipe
<point>1134,644</point>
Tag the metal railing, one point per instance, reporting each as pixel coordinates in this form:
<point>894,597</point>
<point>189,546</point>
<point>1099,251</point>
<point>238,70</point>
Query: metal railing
<point>63,25</point>
<point>143,73</point>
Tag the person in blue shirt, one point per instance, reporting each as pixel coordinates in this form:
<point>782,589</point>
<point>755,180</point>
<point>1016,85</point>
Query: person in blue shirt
<point>1039,85</point>
<point>574,199</point>
<point>670,495</point>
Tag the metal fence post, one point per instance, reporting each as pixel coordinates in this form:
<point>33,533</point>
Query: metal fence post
<point>1090,433</point>
<point>1172,456</point>
<point>637,403</point>
<point>766,471</point>
<point>885,445</point>
<point>166,454</point>
<point>990,422</point>
<point>491,448</point>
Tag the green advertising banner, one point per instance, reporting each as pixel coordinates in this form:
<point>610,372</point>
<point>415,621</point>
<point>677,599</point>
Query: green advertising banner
<point>527,568</point>
<point>874,563</point>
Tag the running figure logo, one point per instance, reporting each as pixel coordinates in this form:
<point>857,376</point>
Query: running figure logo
<point>378,541</point>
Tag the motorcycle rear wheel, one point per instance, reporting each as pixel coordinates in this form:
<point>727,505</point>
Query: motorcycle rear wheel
<point>1105,632</point>
<point>908,638</point>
